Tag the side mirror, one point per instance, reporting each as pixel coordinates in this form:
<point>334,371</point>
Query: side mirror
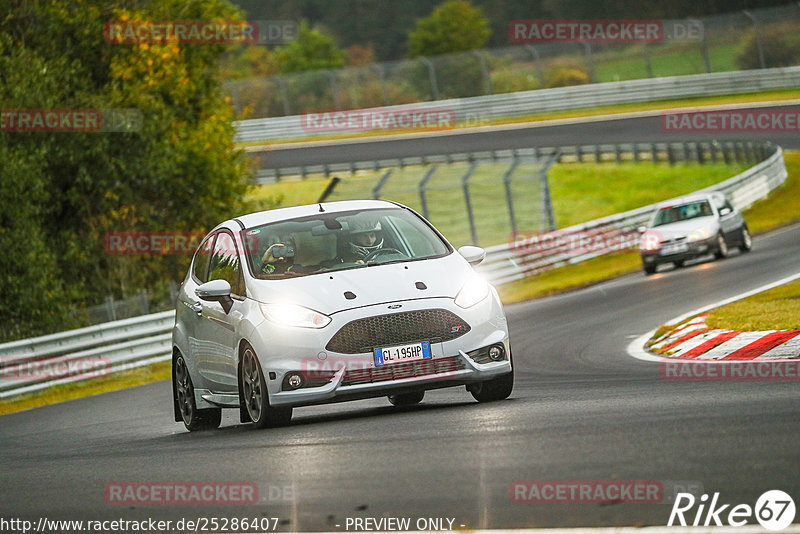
<point>216,291</point>
<point>473,255</point>
<point>642,229</point>
<point>724,211</point>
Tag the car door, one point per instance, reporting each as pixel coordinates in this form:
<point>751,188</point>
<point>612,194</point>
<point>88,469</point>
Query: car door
<point>190,309</point>
<point>216,337</point>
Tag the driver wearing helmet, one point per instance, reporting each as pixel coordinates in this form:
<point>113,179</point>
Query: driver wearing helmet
<point>365,238</point>
<point>279,256</point>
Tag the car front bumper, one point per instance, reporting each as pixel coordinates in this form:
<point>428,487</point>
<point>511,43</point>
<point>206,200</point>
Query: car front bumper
<point>692,250</point>
<point>285,350</point>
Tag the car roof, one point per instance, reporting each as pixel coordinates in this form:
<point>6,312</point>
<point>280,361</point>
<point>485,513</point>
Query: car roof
<point>281,214</point>
<point>689,198</point>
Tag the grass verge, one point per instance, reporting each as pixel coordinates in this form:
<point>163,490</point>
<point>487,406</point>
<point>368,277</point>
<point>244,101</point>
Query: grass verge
<point>776,309</point>
<point>64,392</point>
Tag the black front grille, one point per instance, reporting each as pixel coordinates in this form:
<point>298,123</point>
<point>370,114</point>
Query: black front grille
<point>363,335</point>
<point>403,370</point>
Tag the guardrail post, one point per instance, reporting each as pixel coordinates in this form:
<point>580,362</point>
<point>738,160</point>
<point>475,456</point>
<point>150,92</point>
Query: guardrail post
<point>700,156</point>
<point>421,187</point>
<point>376,192</point>
<point>653,153</point>
<point>726,155</point>
<point>687,151</point>
<point>579,153</point>
<point>598,154</point>
<point>636,152</point>
<point>509,196</point>
<point>712,150</point>
<point>465,185</point>
<point>617,154</point>
<point>670,155</point>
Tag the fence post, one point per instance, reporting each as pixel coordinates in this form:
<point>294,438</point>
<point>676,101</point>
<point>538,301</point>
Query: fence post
<point>421,187</point>
<point>509,196</point>
<point>465,185</point>
<point>487,81</point>
<point>704,52</point>
<point>590,61</point>
<point>376,192</point>
<point>111,311</point>
<point>144,303</point>
<point>757,31</point>
<point>538,61</point>
<point>287,109</point>
<point>647,63</point>
<point>431,76</point>
<point>547,201</point>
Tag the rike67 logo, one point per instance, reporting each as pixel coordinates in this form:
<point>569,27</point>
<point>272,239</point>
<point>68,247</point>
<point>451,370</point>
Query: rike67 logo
<point>774,510</point>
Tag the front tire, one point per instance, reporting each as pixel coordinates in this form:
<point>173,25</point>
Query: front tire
<point>255,396</point>
<point>407,399</point>
<point>493,390</point>
<point>193,418</point>
<point>747,241</point>
<point>722,247</point>
<point>649,268</point>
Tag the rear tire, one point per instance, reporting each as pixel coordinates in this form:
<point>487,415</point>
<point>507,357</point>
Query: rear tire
<point>407,399</point>
<point>193,419</point>
<point>649,269</point>
<point>747,242</point>
<point>722,247</point>
<point>255,397</point>
<point>493,390</point>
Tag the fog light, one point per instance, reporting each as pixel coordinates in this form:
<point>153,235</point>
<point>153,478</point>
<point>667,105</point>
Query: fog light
<point>496,353</point>
<point>294,380</point>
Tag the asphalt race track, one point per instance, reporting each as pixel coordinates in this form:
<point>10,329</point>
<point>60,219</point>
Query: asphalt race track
<point>582,409</point>
<point>584,132</point>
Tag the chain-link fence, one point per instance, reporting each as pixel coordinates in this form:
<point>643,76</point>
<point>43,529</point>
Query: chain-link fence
<point>751,39</point>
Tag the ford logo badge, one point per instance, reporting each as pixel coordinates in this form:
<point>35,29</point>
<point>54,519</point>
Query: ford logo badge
<point>395,306</point>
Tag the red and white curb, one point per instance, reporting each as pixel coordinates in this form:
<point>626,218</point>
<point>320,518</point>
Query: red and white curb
<point>694,340</point>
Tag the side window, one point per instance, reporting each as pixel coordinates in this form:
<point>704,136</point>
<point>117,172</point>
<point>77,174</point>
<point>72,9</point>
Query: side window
<point>224,264</point>
<point>201,257</point>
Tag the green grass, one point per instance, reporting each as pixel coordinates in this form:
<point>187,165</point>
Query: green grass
<point>580,192</point>
<point>776,309</point>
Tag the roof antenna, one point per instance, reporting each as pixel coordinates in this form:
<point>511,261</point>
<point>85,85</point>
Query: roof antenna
<point>320,208</point>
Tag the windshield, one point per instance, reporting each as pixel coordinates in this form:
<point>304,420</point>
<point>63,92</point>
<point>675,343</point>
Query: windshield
<point>339,241</point>
<point>683,212</point>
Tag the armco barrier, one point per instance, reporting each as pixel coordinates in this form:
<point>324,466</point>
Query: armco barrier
<point>142,340</point>
<point>541,100</point>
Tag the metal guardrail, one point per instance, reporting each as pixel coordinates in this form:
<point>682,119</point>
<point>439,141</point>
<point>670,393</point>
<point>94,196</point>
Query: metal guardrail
<point>576,97</point>
<point>138,341</point>
<point>504,263</point>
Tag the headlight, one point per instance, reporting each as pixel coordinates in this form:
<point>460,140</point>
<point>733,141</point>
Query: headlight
<point>293,315</point>
<point>474,291</point>
<point>699,234</point>
<point>650,241</point>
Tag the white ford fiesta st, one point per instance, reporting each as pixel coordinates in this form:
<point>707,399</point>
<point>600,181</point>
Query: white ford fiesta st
<point>327,303</point>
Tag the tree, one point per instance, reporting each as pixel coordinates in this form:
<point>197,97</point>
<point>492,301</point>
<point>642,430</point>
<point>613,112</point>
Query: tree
<point>62,192</point>
<point>312,50</point>
<point>454,26</point>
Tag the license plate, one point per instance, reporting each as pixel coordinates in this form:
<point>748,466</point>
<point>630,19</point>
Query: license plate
<point>674,249</point>
<point>403,353</point>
